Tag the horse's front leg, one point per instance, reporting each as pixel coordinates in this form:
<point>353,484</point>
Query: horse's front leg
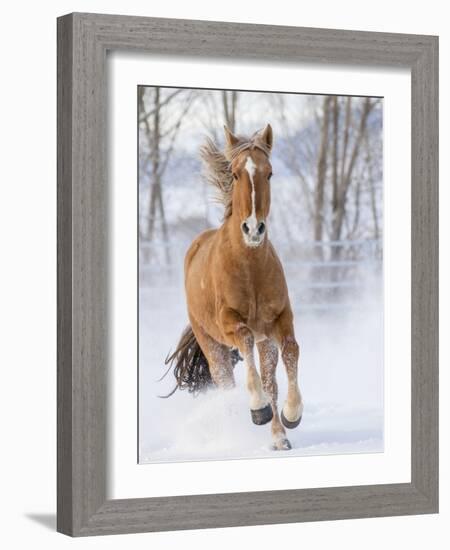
<point>268,359</point>
<point>292,411</point>
<point>240,336</point>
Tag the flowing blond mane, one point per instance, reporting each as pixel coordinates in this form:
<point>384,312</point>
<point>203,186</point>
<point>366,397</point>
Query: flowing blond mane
<point>217,165</point>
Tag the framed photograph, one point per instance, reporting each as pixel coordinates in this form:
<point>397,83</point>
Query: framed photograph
<point>247,274</point>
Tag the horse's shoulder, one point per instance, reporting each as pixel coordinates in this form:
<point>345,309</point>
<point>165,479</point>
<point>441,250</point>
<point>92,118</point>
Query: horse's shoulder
<point>197,243</point>
<point>274,256</point>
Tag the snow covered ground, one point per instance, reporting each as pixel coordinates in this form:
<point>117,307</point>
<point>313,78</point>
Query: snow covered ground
<point>341,378</point>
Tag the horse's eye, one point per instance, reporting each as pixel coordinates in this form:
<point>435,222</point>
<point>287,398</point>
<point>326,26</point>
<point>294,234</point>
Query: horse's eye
<point>235,176</point>
<point>269,176</point>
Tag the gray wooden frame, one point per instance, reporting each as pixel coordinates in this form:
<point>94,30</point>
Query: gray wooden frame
<point>83,41</point>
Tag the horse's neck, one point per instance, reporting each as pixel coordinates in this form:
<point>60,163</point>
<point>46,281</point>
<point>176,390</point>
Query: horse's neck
<point>255,257</point>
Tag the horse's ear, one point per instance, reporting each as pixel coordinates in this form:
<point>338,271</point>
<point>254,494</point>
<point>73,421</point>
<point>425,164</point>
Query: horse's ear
<point>267,136</point>
<point>230,138</point>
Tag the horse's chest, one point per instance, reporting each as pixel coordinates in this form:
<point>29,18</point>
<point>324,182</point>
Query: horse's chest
<point>257,304</point>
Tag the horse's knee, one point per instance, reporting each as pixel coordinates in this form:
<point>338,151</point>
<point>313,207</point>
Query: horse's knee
<point>222,375</point>
<point>290,350</point>
<point>268,354</point>
<point>244,339</point>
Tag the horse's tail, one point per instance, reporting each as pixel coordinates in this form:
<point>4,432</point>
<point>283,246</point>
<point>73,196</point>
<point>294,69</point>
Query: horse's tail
<point>189,364</point>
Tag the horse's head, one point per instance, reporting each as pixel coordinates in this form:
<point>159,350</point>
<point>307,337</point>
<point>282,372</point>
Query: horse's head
<point>252,171</point>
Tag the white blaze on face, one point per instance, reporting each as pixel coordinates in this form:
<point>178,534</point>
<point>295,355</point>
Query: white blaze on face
<point>250,166</point>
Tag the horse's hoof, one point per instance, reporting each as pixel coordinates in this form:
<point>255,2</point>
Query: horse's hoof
<point>262,416</point>
<point>288,424</point>
<point>282,445</point>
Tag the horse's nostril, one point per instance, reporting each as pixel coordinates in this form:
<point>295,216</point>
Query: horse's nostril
<point>261,228</point>
<point>245,228</point>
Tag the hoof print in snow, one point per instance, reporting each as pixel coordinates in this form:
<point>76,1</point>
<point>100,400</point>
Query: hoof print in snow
<point>262,416</point>
<point>288,424</point>
<point>282,445</point>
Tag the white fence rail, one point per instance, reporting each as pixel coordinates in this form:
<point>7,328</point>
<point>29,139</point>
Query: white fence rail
<point>321,276</point>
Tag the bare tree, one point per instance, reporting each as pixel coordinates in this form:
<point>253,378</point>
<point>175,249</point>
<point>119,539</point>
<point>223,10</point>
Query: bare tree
<point>291,157</point>
<point>372,187</point>
<point>334,179</point>
<point>229,102</point>
<point>321,172</point>
<point>160,130</point>
<point>339,205</point>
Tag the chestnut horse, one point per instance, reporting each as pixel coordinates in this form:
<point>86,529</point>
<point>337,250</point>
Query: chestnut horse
<point>236,290</point>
